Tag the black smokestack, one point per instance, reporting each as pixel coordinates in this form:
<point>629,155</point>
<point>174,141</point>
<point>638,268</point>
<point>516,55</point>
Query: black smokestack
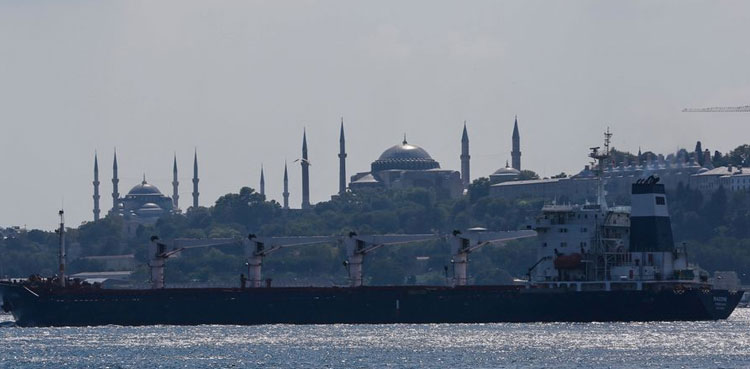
<point>650,226</point>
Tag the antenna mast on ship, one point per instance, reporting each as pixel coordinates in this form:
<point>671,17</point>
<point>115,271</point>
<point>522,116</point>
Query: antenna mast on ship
<point>600,157</point>
<point>61,255</point>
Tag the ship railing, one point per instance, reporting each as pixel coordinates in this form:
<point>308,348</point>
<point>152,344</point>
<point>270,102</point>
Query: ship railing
<point>137,286</point>
<point>628,285</point>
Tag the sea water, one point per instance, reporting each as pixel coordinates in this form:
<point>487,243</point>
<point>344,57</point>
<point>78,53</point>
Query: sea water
<point>717,344</point>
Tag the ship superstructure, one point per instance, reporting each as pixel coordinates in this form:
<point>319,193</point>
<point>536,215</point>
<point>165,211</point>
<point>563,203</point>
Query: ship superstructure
<point>594,243</point>
<point>598,247</point>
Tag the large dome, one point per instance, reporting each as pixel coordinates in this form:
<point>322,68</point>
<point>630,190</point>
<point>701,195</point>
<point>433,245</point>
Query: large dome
<point>507,170</point>
<point>144,189</point>
<point>404,157</point>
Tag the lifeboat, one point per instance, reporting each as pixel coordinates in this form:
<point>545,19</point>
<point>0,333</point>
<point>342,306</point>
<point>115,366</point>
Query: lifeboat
<point>571,261</point>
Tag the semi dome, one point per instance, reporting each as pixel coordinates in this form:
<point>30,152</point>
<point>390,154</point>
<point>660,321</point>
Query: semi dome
<point>150,206</point>
<point>404,157</point>
<point>144,188</point>
<point>149,209</point>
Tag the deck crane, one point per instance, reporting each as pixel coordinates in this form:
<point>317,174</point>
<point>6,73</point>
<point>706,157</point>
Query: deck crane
<point>464,243</point>
<point>260,247</point>
<point>159,254</point>
<point>719,109</point>
<point>358,246</point>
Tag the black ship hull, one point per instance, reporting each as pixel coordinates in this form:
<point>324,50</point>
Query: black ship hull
<point>368,305</point>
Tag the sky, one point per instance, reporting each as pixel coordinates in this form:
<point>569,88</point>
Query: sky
<point>238,81</point>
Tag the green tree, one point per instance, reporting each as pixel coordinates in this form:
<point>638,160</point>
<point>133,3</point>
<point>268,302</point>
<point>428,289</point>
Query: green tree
<point>478,189</point>
<point>739,156</point>
<point>527,175</point>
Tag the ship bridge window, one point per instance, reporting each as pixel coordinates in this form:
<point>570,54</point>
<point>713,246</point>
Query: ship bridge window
<point>660,200</point>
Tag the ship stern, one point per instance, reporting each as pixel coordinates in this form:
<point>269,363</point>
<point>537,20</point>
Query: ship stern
<point>720,304</point>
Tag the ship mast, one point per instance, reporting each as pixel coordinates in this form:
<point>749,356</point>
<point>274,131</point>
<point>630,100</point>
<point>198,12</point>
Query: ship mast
<point>600,157</point>
<point>61,254</point>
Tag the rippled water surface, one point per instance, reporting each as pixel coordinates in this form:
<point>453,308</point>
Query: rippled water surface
<point>722,344</point>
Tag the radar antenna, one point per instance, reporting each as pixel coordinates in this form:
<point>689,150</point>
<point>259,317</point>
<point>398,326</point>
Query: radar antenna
<point>607,140</point>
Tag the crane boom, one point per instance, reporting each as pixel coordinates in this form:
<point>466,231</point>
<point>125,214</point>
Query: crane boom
<point>464,243</point>
<point>260,247</point>
<point>256,248</point>
<point>191,243</point>
<point>358,246</point>
<point>719,109</point>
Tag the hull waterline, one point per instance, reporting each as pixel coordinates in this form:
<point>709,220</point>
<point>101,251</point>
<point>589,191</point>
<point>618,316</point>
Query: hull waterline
<point>362,305</point>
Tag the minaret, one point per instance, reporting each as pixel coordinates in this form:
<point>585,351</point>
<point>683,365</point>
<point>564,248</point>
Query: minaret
<point>305,173</point>
<point>175,186</point>
<point>286,187</point>
<point>96,188</point>
<point>262,182</point>
<point>195,180</point>
<point>465,174</point>
<point>342,160</point>
<point>516,153</point>
<point>115,182</point>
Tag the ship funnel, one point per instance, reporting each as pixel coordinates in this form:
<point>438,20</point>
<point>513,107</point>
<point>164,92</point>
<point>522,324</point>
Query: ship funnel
<point>650,227</point>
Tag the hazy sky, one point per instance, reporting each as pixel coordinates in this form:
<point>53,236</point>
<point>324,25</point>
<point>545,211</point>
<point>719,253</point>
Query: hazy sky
<point>238,80</point>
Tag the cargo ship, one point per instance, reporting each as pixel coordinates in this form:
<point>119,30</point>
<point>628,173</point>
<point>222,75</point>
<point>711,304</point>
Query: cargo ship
<point>594,263</point>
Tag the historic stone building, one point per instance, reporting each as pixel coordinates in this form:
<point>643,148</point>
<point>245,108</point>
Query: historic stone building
<point>505,174</point>
<point>617,180</point>
<point>405,166</point>
<point>144,203</point>
<point>730,178</point>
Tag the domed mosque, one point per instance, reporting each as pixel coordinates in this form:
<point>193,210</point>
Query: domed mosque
<point>404,166</point>
<point>144,204</point>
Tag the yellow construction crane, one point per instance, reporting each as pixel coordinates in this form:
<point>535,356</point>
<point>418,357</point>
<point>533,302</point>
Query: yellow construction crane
<point>719,109</point>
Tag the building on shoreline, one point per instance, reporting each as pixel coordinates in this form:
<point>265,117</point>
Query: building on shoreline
<point>617,179</point>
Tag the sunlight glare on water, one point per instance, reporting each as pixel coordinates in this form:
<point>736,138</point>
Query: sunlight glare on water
<point>721,344</point>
